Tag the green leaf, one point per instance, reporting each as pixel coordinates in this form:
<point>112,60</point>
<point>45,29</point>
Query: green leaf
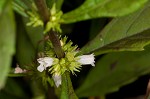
<point>7,41</point>
<point>103,8</point>
<point>25,49</point>
<point>96,26</point>
<point>113,71</point>
<point>20,7</point>
<point>2,3</point>
<point>125,33</point>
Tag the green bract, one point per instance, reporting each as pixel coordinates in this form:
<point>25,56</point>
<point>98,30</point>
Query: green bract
<point>34,20</point>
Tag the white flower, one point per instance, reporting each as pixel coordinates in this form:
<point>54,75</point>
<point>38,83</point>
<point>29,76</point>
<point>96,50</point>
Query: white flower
<point>44,63</point>
<point>86,59</point>
<point>57,79</point>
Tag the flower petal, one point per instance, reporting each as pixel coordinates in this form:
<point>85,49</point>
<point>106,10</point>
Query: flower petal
<point>40,68</point>
<point>48,61</point>
<point>87,59</point>
<point>44,62</point>
<point>57,79</point>
<point>18,70</point>
<point>40,60</point>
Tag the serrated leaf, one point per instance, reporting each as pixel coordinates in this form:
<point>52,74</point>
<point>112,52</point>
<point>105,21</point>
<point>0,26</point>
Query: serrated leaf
<point>102,8</point>
<point>125,33</point>
<point>113,71</point>
<point>7,41</point>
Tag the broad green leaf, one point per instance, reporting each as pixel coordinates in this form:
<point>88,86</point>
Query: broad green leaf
<point>7,41</point>
<point>102,8</point>
<point>2,3</point>
<point>113,71</point>
<point>132,43</point>
<point>123,33</point>
<point>25,49</point>
<point>96,26</point>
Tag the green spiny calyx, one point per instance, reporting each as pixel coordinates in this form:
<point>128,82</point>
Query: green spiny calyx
<point>71,62</point>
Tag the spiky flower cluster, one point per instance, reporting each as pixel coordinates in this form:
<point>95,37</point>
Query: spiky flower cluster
<point>54,20</point>
<point>71,62</point>
<point>53,23</point>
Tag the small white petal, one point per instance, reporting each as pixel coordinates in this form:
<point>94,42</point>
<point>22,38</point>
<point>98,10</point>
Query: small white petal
<point>18,70</point>
<point>40,68</point>
<point>44,63</point>
<point>87,59</point>
<point>57,80</point>
<point>48,61</point>
<point>40,60</point>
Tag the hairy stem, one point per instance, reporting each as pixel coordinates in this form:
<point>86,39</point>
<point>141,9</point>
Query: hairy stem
<point>56,43</point>
<point>44,13</point>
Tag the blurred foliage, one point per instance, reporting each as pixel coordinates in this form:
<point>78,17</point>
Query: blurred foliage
<point>7,41</point>
<point>2,5</point>
<point>13,90</point>
<point>25,49</point>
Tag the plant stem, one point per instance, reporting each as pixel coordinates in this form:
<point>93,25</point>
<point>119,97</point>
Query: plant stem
<point>44,13</point>
<point>67,91</point>
<point>56,44</point>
